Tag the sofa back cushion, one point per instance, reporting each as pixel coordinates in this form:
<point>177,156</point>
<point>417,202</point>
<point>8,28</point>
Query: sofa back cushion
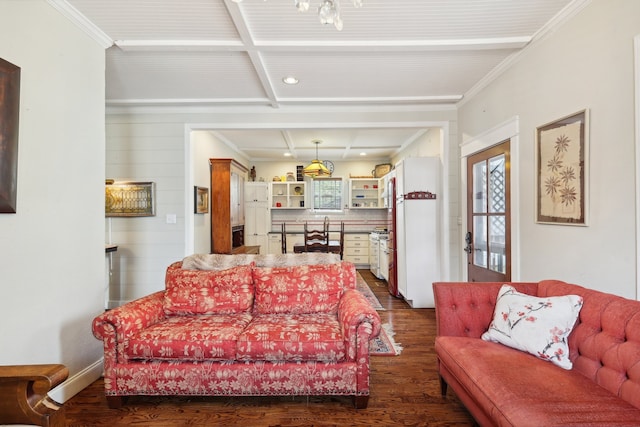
<point>190,292</point>
<point>301,289</point>
<point>225,261</point>
<point>605,343</point>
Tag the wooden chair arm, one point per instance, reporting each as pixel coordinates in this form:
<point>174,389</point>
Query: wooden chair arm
<point>23,395</point>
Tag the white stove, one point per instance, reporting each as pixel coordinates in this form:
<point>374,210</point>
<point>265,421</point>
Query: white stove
<point>374,251</point>
<point>379,234</point>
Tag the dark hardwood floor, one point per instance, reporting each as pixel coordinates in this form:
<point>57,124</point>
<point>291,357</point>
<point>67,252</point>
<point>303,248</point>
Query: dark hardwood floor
<point>404,391</point>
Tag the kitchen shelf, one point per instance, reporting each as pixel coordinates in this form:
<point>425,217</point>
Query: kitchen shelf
<point>366,193</point>
<point>288,194</point>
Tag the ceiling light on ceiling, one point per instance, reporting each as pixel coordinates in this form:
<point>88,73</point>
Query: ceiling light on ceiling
<point>328,11</point>
<point>287,154</point>
<point>316,168</point>
<point>290,80</point>
<point>363,153</point>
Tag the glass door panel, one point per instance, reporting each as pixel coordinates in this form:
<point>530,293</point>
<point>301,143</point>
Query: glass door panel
<point>488,243</point>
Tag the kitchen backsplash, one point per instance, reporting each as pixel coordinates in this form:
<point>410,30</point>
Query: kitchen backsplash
<point>354,219</point>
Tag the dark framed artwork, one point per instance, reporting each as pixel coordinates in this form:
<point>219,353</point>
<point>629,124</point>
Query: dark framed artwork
<point>9,115</point>
<point>562,153</point>
<point>200,200</point>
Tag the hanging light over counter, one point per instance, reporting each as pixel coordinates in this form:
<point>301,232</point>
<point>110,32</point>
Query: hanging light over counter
<point>316,168</point>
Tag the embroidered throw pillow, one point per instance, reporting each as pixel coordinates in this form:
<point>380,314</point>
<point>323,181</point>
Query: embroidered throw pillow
<point>539,326</point>
<point>191,292</point>
<point>301,289</point>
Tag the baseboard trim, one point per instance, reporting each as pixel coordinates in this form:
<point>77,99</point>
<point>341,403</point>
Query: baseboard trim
<point>77,382</point>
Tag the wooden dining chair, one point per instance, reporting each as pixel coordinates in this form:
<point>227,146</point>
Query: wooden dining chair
<point>316,240</point>
<point>283,239</point>
<point>341,239</point>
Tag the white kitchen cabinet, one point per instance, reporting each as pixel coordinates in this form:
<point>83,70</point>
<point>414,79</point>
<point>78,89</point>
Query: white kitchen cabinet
<point>288,194</point>
<point>256,192</point>
<point>275,243</point>
<point>356,249</point>
<point>294,239</point>
<point>365,193</point>
<point>257,215</point>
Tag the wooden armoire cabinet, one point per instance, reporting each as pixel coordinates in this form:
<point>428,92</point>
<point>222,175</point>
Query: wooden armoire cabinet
<point>227,205</point>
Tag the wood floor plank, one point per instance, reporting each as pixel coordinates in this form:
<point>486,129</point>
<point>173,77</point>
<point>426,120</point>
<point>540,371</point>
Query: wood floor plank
<point>404,391</point>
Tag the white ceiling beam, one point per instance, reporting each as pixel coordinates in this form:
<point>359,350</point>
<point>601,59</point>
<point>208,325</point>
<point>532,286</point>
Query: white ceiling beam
<point>177,102</point>
<point>393,45</point>
<point>289,140</point>
<point>240,23</point>
<point>247,44</point>
<point>181,45</point>
<point>436,102</point>
<point>375,100</point>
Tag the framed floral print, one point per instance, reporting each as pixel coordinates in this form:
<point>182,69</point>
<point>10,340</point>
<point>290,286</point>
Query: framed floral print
<point>562,170</point>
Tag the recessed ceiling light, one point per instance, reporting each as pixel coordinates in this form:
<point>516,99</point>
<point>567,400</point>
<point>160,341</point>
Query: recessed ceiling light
<point>287,154</point>
<point>363,154</point>
<point>290,80</point>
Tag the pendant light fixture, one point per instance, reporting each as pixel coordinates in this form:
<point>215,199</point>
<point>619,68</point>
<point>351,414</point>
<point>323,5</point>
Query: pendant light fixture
<point>316,168</point>
<point>328,11</point>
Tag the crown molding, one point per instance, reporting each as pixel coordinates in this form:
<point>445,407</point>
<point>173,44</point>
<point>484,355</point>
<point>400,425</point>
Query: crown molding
<point>82,22</point>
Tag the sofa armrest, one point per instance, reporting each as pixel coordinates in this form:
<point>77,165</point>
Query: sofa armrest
<point>465,309</point>
<point>115,326</point>
<point>353,311</point>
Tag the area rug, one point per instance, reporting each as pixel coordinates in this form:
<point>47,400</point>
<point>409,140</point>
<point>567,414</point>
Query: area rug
<point>384,344</point>
<point>368,293</point>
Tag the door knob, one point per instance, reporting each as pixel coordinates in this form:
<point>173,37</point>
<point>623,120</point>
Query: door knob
<point>468,238</point>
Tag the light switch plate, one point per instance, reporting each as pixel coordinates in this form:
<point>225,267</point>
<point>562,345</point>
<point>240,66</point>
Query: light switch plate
<point>171,218</point>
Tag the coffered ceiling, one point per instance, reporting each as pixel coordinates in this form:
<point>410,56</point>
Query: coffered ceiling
<point>211,53</point>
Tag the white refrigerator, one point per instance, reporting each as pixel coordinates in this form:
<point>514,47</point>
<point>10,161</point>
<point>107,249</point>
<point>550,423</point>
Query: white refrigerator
<point>418,196</point>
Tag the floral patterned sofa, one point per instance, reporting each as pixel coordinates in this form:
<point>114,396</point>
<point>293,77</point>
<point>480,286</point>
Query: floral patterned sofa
<point>243,325</point>
<point>539,354</point>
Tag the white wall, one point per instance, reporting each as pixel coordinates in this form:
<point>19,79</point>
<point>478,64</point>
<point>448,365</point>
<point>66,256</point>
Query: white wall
<point>587,63</point>
<point>52,250</point>
<point>140,151</point>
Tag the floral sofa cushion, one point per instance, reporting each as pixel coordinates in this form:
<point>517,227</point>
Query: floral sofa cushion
<point>298,290</point>
<point>292,337</point>
<point>192,338</point>
<point>191,292</point>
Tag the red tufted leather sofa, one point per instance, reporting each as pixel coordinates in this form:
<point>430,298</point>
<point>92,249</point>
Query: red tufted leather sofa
<point>501,386</point>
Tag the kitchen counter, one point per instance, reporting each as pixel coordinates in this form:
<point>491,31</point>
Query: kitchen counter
<point>301,230</point>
